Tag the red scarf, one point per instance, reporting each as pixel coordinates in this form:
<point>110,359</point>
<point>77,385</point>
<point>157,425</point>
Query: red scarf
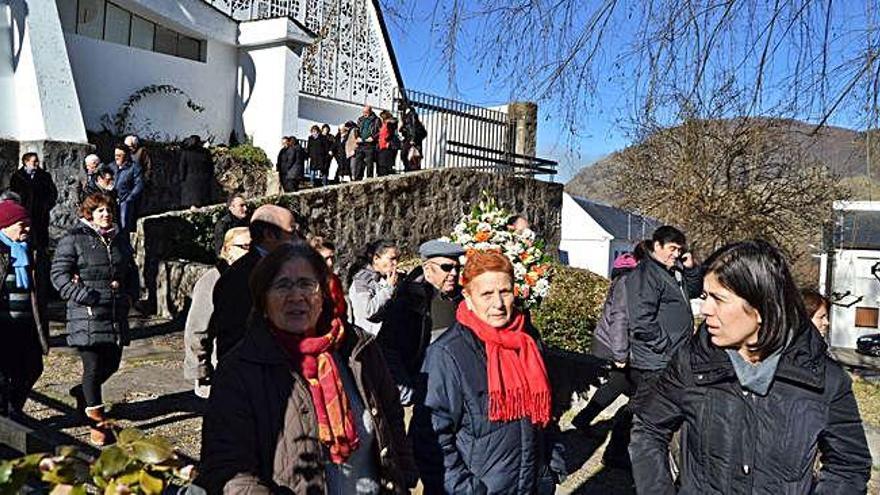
<point>313,358</point>
<point>337,294</point>
<point>518,384</point>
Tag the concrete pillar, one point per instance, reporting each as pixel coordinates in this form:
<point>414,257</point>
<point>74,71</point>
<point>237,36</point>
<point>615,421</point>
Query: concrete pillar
<point>270,57</point>
<point>525,116</point>
<point>36,71</point>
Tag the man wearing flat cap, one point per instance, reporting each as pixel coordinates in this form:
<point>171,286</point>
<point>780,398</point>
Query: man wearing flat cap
<point>271,226</point>
<point>423,306</point>
<point>21,314</point>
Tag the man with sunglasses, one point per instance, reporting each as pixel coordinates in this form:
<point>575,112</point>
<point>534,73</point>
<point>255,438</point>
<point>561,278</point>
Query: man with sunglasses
<point>422,308</point>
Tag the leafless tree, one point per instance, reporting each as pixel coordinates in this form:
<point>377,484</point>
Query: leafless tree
<point>731,179</point>
<point>809,59</point>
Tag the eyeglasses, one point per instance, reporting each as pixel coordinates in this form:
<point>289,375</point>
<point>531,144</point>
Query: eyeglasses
<point>306,286</point>
<point>446,267</point>
<point>246,247</point>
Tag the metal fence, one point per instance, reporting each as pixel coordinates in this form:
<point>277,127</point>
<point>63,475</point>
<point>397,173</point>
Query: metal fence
<point>462,135</point>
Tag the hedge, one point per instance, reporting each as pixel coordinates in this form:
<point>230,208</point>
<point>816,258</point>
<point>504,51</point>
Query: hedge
<point>567,317</point>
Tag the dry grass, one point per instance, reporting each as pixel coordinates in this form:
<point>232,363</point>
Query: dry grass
<point>868,396</point>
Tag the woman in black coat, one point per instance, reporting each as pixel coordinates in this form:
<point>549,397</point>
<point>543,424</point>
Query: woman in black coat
<point>196,173</point>
<point>94,271</point>
<point>317,149</point>
<point>754,393</point>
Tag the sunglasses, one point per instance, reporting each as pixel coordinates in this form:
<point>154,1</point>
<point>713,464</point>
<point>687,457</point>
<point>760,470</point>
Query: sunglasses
<point>446,267</point>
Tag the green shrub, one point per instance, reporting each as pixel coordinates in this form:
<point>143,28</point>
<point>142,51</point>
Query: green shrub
<point>568,316</point>
<point>244,153</point>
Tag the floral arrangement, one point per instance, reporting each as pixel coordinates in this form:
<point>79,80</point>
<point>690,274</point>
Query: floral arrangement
<point>485,228</point>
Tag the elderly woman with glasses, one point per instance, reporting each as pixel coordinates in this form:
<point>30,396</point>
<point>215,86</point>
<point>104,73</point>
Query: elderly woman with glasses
<point>304,403</point>
<point>488,398</point>
<point>200,352</point>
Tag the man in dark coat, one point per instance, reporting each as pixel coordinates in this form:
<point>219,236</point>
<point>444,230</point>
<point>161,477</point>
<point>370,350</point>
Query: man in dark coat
<point>25,329</point>
<point>658,294</point>
<point>423,306</point>
<point>236,216</point>
<point>196,173</point>
<point>103,183</point>
<point>270,227</point>
<point>367,130</point>
<point>414,133</point>
<point>129,185</point>
<point>291,163</point>
<point>38,196</point>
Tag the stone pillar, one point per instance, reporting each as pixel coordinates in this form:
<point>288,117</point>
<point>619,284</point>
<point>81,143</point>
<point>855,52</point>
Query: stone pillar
<point>524,114</point>
<point>270,56</point>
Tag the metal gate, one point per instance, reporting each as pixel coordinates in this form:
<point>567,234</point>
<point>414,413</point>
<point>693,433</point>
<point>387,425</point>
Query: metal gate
<point>463,135</point>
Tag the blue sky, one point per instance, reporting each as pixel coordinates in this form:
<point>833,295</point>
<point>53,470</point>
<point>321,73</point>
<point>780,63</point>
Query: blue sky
<point>419,59</point>
<point>420,64</point>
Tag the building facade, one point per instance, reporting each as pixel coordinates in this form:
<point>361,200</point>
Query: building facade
<point>165,69</point>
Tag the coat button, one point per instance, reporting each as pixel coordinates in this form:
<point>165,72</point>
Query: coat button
<point>746,393</point>
<point>374,411</point>
<point>699,377</point>
<point>746,468</point>
<point>390,486</point>
<point>384,452</point>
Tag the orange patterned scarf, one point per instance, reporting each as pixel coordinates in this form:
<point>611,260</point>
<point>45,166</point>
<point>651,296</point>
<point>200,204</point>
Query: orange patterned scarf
<point>518,383</point>
<point>313,358</point>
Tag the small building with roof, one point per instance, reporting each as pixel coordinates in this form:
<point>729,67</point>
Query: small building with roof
<point>595,233</point>
<point>849,273</point>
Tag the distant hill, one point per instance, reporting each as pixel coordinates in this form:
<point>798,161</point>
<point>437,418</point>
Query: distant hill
<point>842,150</point>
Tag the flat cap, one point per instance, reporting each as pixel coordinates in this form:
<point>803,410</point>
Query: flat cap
<point>436,247</point>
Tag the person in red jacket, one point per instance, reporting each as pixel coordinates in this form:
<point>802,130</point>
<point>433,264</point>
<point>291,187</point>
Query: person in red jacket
<point>389,144</point>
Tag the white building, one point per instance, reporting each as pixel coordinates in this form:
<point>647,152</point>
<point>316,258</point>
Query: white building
<point>262,68</point>
<point>594,233</point>
<point>849,272</point>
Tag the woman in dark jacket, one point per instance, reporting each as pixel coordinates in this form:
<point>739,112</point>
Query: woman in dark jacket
<point>305,403</point>
<point>94,271</point>
<point>754,393</point>
<point>488,396</point>
<point>196,173</point>
<point>317,149</point>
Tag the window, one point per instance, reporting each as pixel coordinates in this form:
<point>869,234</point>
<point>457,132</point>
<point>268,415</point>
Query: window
<point>189,48</point>
<point>104,20</point>
<point>117,25</point>
<point>67,12</point>
<point>165,41</point>
<point>142,33</point>
<point>90,18</point>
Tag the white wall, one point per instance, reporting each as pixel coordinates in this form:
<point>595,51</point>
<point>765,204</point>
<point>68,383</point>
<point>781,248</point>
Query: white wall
<point>106,74</point>
<point>193,17</point>
<point>315,110</point>
<point>852,272</point>
<point>588,244</point>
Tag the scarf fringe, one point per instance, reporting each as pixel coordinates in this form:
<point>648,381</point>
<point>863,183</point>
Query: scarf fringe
<point>520,404</point>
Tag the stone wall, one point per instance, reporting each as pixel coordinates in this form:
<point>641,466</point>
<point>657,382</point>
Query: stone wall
<point>174,283</point>
<point>410,208</point>
<point>64,162</point>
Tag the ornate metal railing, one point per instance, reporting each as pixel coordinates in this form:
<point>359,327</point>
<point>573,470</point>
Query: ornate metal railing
<point>251,10</point>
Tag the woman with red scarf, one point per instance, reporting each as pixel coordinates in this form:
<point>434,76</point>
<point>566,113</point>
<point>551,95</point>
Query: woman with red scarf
<point>305,403</point>
<point>488,396</point>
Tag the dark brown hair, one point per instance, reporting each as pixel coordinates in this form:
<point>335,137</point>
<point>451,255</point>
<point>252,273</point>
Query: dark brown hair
<point>95,201</point>
<point>267,269</point>
<point>813,301</point>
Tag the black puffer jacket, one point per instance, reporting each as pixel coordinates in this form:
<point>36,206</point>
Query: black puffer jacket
<point>735,442</point>
<point>84,266</point>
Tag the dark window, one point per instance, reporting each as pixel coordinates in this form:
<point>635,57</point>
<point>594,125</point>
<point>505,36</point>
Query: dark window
<point>165,41</point>
<point>90,18</point>
<point>189,48</point>
<point>118,25</point>
<point>142,32</point>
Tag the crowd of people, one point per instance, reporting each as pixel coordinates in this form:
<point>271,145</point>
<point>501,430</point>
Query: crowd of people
<point>368,147</point>
<point>309,382</point>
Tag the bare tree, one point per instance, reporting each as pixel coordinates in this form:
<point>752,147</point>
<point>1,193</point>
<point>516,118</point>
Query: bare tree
<point>807,59</point>
<point>726,180</point>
